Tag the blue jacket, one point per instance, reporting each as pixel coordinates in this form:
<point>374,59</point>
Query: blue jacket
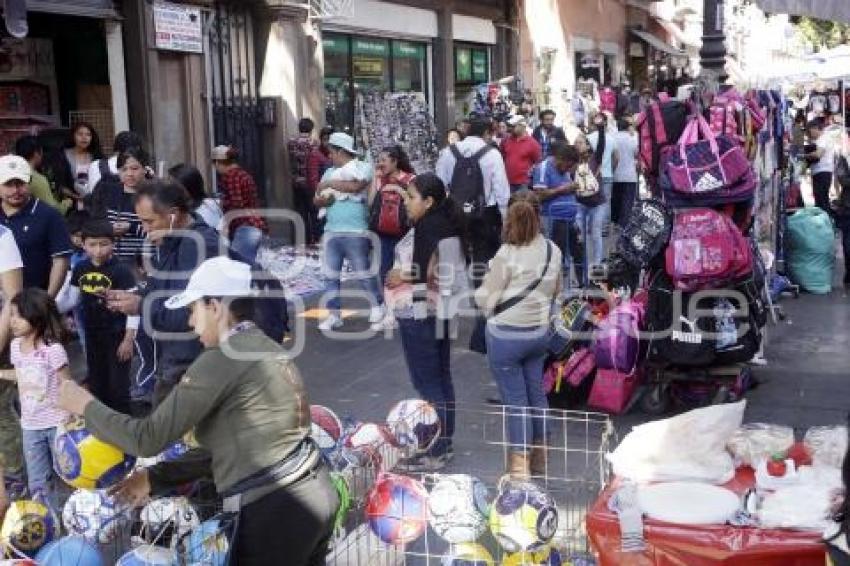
<point>172,262</point>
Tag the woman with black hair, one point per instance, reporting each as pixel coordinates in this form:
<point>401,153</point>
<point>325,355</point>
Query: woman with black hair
<point>206,208</point>
<point>116,203</point>
<point>387,217</point>
<point>438,279</point>
<point>81,149</point>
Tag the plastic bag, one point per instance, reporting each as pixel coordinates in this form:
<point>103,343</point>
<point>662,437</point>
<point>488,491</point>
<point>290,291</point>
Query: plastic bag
<point>827,445</point>
<point>754,442</point>
<point>811,249</point>
<point>687,447</point>
<point>807,505</point>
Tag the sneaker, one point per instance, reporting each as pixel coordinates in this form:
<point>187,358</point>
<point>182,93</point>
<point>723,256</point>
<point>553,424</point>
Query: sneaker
<point>377,314</point>
<point>332,322</point>
<point>388,323</point>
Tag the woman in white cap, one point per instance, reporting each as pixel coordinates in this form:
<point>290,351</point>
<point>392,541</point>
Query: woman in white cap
<point>246,403</point>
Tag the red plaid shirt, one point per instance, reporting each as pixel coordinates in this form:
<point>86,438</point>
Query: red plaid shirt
<point>317,163</point>
<point>239,192</point>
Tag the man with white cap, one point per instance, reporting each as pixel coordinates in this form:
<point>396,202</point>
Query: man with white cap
<point>39,230</point>
<point>521,152</point>
<point>342,191</point>
<point>246,402</point>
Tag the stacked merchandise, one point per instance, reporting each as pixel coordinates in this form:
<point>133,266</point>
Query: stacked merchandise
<point>385,119</point>
<point>701,300</point>
<point>490,100</point>
<point>299,269</point>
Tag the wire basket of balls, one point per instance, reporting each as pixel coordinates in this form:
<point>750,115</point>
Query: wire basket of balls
<point>82,524</point>
<point>469,511</point>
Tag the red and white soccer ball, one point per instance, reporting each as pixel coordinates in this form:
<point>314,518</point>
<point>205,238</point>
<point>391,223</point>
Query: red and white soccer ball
<point>378,440</point>
<point>415,425</point>
<point>326,428</point>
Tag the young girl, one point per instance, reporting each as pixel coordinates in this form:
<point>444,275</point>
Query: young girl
<point>40,363</point>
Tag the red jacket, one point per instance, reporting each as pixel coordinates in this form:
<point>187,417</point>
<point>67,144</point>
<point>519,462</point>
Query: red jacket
<point>521,154</point>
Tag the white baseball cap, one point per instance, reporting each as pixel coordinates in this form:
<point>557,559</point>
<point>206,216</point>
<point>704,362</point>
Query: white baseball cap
<point>14,167</point>
<point>343,141</point>
<point>222,153</point>
<point>216,277</point>
<point>517,119</point>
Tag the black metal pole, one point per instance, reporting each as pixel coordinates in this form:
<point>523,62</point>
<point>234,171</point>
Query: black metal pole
<point>713,52</point>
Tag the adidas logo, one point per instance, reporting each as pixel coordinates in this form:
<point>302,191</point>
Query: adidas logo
<point>708,182</point>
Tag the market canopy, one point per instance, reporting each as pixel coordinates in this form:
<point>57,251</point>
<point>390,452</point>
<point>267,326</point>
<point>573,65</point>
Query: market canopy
<point>834,10</point>
<point>656,43</point>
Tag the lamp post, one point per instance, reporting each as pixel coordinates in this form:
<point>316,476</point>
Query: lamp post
<point>713,52</point>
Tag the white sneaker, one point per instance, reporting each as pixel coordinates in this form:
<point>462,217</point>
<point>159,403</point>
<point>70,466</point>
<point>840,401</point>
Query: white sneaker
<point>377,314</point>
<point>332,322</point>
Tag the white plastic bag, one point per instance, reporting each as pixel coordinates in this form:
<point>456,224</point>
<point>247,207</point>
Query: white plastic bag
<point>757,442</point>
<point>687,447</point>
<point>827,445</point>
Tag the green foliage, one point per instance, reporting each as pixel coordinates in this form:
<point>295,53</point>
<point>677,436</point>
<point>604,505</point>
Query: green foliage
<point>822,33</point>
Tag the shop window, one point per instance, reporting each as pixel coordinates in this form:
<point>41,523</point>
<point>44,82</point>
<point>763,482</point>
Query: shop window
<point>472,65</point>
<point>338,103</point>
<point>587,66</point>
<point>370,64</point>
<point>409,71</point>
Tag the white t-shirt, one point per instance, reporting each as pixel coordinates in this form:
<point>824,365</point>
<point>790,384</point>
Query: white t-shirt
<point>626,144</point>
<point>10,256</point>
<point>94,172</point>
<point>826,164</point>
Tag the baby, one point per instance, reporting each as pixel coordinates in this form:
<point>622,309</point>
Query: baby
<point>349,172</point>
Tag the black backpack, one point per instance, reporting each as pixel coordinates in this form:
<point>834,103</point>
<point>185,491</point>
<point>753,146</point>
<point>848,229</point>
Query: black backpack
<point>467,186</point>
<point>646,233</point>
<point>106,174</point>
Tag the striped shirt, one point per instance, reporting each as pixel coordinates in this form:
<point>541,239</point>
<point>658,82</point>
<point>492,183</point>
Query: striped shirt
<point>38,384</point>
<point>118,206</point>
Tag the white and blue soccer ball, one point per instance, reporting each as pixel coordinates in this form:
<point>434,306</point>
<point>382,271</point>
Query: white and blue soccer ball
<point>458,508</point>
<point>69,551</point>
<point>523,517</point>
<point>415,425</point>
<point>166,520</point>
<point>149,555</point>
<point>206,545</point>
<point>94,515</point>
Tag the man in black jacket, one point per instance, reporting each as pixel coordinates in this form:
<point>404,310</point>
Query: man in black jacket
<point>547,134</point>
<point>180,245</point>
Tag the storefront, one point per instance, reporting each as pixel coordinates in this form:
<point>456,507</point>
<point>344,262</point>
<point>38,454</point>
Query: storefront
<point>357,63</point>
<point>68,69</point>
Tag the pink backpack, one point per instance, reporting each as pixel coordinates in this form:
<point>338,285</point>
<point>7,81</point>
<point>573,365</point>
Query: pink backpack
<point>612,390</point>
<point>724,114</point>
<point>706,251</point>
<point>574,370</point>
<point>608,100</point>
<point>616,342</point>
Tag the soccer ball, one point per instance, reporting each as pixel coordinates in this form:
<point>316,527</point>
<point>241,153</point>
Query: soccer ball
<point>69,551</point>
<point>467,554</point>
<point>28,526</point>
<point>523,517</point>
<point>85,462</point>
<point>207,545</point>
<point>166,520</point>
<point>93,515</point>
<point>149,555</point>
<point>458,508</point>
<point>415,425</point>
<point>325,428</point>
<point>546,556</point>
<point>376,439</point>
<point>397,509</point>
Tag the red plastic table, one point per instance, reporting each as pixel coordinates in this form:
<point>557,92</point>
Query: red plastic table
<point>677,545</point>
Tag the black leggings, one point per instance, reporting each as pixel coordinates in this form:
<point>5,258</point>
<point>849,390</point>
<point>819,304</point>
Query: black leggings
<point>292,525</point>
<point>821,183</point>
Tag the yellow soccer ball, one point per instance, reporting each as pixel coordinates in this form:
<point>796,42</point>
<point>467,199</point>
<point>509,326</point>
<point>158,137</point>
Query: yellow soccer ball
<point>85,462</point>
<point>28,526</point>
<point>467,554</point>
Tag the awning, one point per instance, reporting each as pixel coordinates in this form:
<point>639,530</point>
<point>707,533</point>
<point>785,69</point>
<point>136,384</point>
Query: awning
<point>835,10</point>
<point>657,44</point>
<point>104,9</point>
<point>679,34</point>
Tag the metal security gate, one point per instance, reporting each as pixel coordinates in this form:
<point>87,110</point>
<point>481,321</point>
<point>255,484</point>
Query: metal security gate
<point>233,84</point>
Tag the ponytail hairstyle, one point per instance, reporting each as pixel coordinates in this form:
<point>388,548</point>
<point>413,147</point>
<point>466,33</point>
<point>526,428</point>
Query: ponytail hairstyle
<point>402,160</point>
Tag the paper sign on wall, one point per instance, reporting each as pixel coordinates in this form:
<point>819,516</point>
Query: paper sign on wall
<point>178,28</point>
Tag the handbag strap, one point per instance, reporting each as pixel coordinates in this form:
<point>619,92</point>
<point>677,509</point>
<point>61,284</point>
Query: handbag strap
<point>516,299</point>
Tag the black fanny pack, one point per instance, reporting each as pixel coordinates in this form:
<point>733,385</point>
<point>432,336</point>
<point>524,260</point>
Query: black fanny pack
<point>293,463</point>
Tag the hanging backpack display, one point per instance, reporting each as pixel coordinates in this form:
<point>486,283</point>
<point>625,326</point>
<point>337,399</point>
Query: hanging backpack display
<point>706,251</point>
<point>704,169</point>
<point>646,233</point>
<point>616,342</point>
<point>388,215</point>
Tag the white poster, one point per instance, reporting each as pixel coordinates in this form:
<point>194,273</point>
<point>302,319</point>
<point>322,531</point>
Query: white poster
<point>178,28</point>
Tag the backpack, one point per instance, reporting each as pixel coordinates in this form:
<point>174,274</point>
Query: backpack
<point>706,251</point>
<point>388,215</point>
<point>725,114</point>
<point>659,125</point>
<point>467,185</point>
<point>612,390</point>
<point>271,312</point>
<point>646,233</point>
<point>616,342</point>
<point>106,174</point>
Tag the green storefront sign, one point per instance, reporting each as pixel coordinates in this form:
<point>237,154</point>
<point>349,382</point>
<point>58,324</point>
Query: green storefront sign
<point>408,50</point>
<point>375,48</point>
<point>335,44</point>
<point>463,65</point>
<point>479,66</point>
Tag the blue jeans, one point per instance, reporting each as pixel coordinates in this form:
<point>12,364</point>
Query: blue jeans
<point>245,244</point>
<point>38,455</point>
<point>591,221</point>
<point>516,357</point>
<point>355,248</point>
<point>428,357</point>
<point>388,244</point>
